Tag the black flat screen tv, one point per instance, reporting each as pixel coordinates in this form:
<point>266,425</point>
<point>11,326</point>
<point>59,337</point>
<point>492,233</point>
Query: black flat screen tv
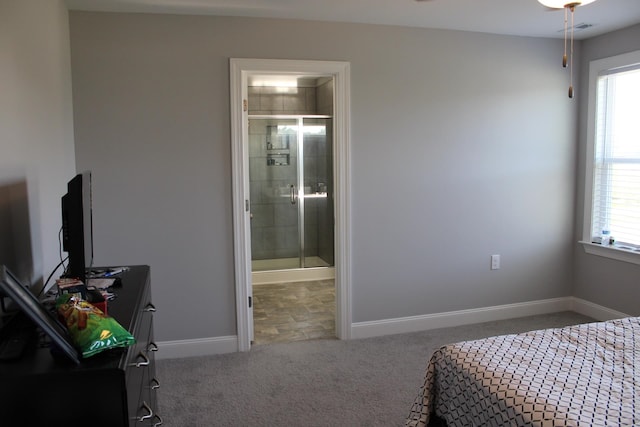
<point>77,226</point>
<point>32,307</point>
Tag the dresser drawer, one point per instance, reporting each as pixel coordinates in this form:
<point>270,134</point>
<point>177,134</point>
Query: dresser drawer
<point>140,371</point>
<point>146,411</point>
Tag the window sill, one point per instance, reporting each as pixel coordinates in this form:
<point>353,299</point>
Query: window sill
<point>612,252</point>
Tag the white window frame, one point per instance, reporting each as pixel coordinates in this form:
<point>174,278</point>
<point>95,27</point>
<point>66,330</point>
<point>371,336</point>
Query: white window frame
<point>596,68</point>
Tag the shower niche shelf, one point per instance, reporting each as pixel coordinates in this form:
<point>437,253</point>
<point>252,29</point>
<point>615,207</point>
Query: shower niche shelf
<point>278,144</point>
<point>278,159</point>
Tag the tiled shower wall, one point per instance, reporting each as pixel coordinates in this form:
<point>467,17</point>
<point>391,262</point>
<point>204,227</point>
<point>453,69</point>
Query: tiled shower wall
<point>301,100</point>
<point>318,155</point>
<point>274,231</point>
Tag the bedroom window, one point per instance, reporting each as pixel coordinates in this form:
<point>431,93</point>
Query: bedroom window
<point>613,159</point>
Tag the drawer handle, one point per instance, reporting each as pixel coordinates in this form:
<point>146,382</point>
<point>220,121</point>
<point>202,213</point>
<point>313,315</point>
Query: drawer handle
<point>150,308</point>
<point>155,384</point>
<point>160,421</point>
<point>152,346</point>
<point>149,415</point>
<point>145,360</point>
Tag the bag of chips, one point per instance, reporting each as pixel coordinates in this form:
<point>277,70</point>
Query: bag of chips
<point>91,330</point>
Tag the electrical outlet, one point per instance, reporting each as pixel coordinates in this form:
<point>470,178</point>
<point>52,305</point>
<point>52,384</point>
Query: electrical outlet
<point>495,262</point>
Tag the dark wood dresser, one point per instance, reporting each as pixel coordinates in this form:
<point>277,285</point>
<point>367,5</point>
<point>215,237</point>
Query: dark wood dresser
<point>112,389</point>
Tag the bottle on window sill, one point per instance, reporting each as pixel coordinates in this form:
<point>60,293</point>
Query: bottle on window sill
<point>606,238</point>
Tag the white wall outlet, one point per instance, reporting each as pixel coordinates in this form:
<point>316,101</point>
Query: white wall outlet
<point>495,262</point>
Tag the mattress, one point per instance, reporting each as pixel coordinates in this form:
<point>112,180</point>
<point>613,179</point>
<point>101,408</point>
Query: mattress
<point>583,375</point>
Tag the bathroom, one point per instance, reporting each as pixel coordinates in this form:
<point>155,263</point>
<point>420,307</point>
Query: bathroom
<point>292,209</point>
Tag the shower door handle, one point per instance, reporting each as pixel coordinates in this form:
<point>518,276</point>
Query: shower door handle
<point>293,194</point>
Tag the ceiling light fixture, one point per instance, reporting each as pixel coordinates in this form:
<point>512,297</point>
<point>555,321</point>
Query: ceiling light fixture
<point>568,7</point>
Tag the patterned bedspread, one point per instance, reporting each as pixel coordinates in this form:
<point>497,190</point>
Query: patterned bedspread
<point>582,375</point>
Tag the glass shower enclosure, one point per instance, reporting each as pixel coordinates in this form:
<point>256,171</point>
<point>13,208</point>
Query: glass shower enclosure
<point>291,188</point>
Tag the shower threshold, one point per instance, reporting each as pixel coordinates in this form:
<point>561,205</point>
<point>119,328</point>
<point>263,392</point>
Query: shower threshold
<point>287,270</point>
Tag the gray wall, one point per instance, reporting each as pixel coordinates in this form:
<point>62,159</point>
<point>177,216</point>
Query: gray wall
<point>463,146</point>
<point>36,133</point>
<point>604,281</point>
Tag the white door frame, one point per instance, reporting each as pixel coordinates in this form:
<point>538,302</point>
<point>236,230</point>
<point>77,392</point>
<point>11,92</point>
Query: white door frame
<point>240,69</point>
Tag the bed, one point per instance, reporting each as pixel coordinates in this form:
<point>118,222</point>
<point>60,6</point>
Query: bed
<point>583,375</point>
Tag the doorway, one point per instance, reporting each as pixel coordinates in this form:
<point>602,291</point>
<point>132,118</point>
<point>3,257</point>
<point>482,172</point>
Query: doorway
<point>282,138</point>
<point>291,188</point>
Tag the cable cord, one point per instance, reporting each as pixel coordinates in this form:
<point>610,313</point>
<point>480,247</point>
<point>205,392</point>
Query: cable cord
<point>60,250</point>
<point>50,275</point>
<point>62,260</point>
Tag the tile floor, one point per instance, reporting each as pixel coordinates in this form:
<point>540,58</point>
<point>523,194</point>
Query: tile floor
<point>285,312</point>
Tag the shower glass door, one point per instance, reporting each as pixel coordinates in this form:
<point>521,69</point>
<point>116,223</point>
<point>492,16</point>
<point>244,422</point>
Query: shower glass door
<point>290,178</point>
<point>317,179</point>
<point>273,180</point>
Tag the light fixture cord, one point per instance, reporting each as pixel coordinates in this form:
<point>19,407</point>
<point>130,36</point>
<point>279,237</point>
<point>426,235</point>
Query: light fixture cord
<point>571,54</point>
<point>564,57</point>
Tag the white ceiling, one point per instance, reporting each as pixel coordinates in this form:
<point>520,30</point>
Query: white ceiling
<point>515,17</point>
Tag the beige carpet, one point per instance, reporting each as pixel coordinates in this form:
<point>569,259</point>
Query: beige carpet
<point>368,382</point>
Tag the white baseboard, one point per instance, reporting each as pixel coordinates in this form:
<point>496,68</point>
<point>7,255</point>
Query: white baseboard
<point>458,318</point>
<point>229,344</point>
<point>196,347</point>
<point>596,311</point>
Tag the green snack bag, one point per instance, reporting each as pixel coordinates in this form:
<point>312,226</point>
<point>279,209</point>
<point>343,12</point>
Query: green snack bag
<point>92,331</point>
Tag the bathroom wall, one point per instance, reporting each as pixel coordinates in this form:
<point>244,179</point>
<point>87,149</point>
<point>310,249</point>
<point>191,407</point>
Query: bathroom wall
<point>282,100</point>
<point>324,97</point>
<point>316,98</point>
<point>318,171</point>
